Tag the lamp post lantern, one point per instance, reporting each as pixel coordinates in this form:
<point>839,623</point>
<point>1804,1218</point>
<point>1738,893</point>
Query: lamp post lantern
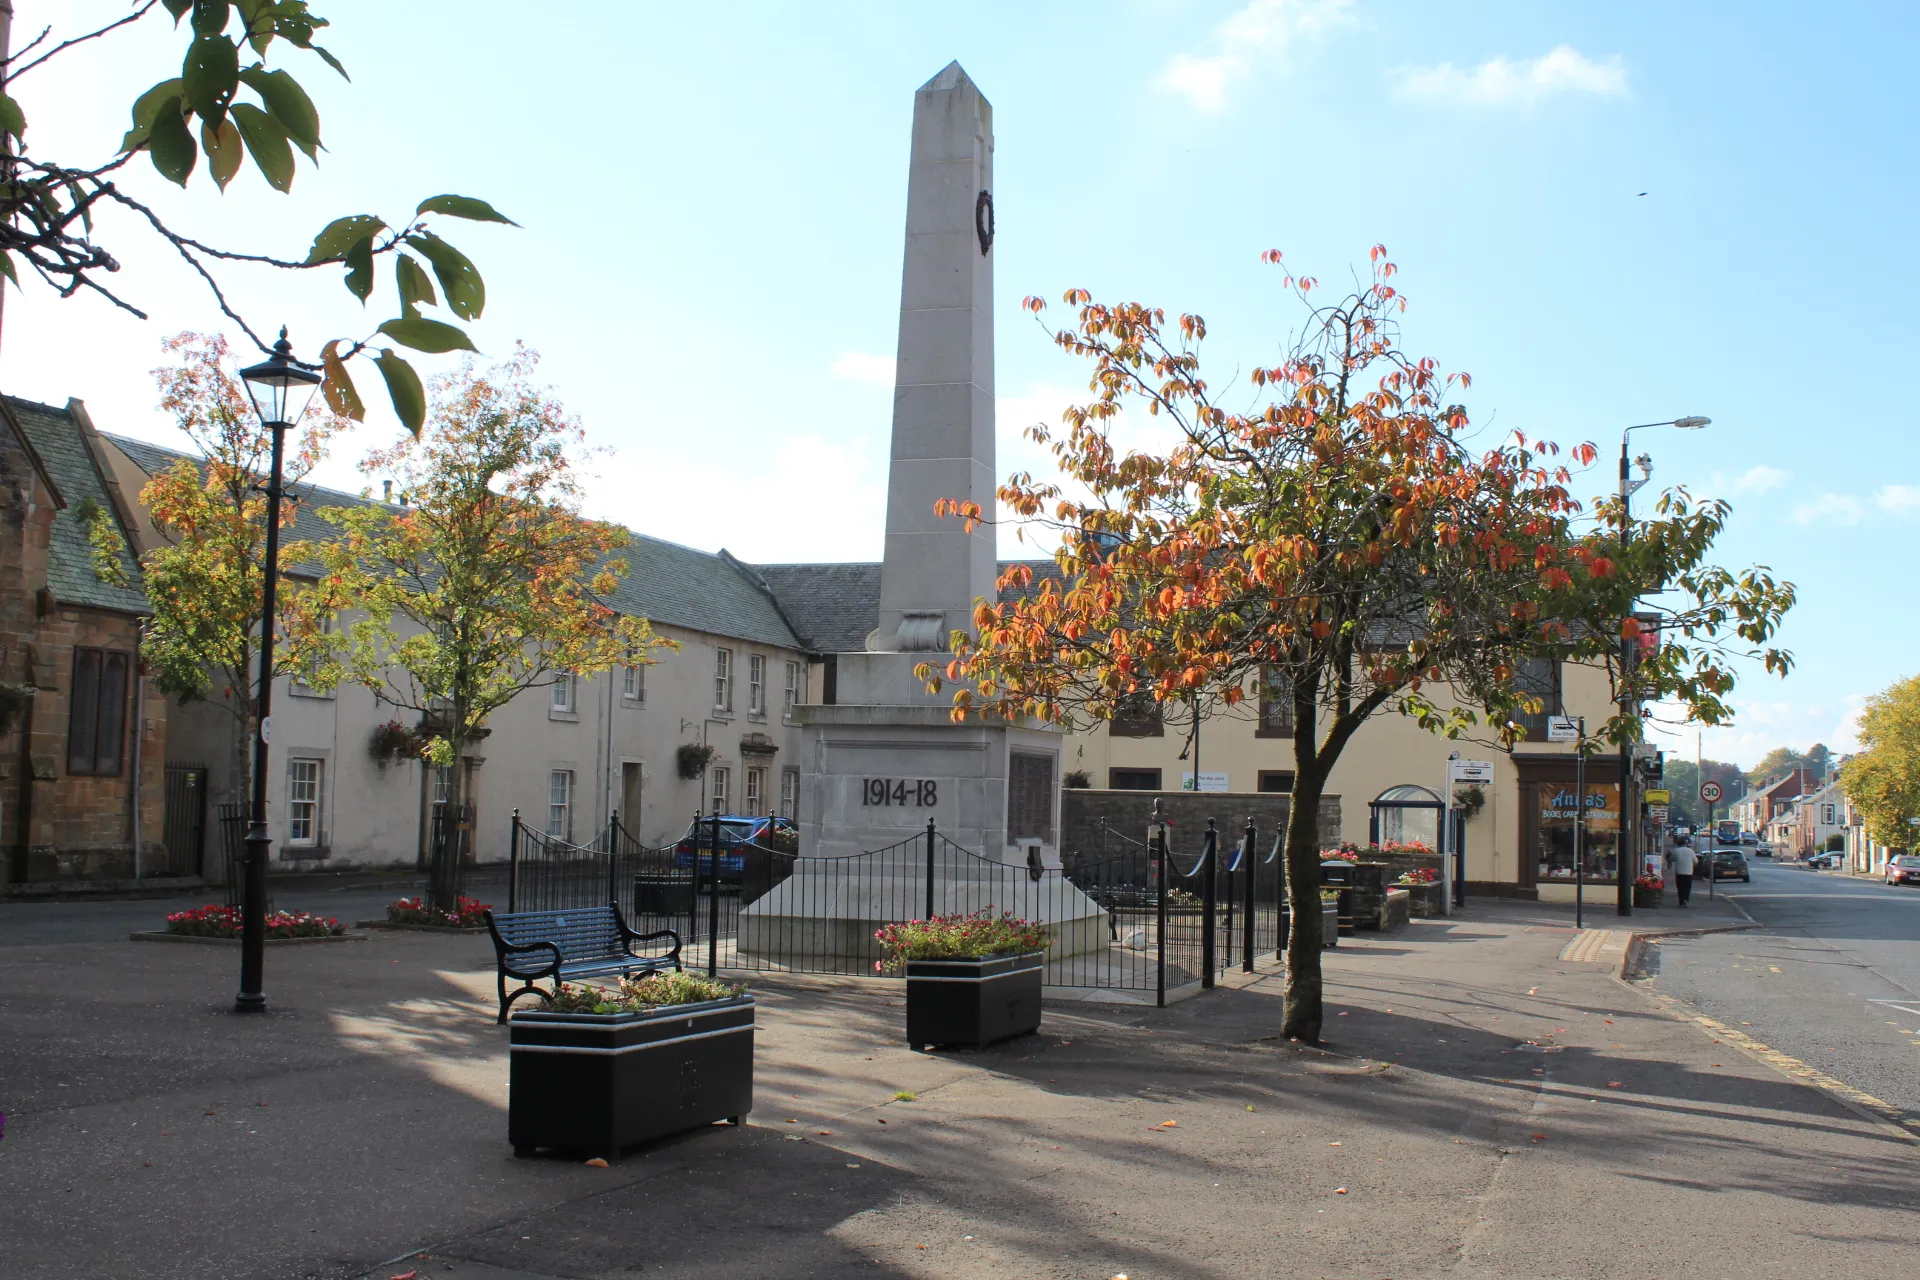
<point>1628,854</point>
<point>280,390</point>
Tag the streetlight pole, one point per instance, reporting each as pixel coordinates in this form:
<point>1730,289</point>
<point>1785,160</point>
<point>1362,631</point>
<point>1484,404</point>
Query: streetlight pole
<point>1626,854</point>
<point>280,390</point>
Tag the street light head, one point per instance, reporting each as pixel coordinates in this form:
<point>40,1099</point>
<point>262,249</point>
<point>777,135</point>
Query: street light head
<point>279,388</point>
<point>1691,424</point>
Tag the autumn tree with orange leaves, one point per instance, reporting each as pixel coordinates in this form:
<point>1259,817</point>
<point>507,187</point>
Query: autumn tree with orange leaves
<point>204,579</point>
<point>1340,545</point>
<point>490,582</point>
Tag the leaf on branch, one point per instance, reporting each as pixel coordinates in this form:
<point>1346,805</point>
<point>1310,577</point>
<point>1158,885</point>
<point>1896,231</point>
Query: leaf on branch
<point>289,104</point>
<point>145,108</point>
<point>431,336</point>
<point>403,387</point>
<point>267,142</point>
<point>224,150</point>
<point>415,287</point>
<point>210,16</point>
<point>13,121</point>
<point>341,234</point>
<point>460,281</point>
<point>332,62</point>
<point>7,269</point>
<point>178,8</point>
<point>464,207</point>
<point>209,74</point>
<point>342,397</point>
<point>170,145</point>
<point>359,260</point>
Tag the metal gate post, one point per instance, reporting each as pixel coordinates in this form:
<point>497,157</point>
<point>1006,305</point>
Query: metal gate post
<point>929,914</point>
<point>1159,859</point>
<point>1251,866</point>
<point>1209,906</point>
<point>713,906</point>
<point>698,835</point>
<point>613,882</point>
<point>513,865</point>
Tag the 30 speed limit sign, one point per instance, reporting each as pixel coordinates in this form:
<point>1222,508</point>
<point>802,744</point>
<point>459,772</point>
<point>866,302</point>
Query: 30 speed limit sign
<point>1710,792</point>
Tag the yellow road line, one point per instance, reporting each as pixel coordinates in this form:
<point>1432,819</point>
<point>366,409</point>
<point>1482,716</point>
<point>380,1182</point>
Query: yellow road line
<point>1856,1100</point>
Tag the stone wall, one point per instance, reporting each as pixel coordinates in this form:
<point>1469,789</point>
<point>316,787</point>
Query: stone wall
<point>1127,813</point>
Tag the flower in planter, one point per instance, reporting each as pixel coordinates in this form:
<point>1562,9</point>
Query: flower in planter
<point>637,995</point>
<point>1651,883</point>
<point>1420,875</point>
<point>958,937</point>
<point>467,913</point>
<point>217,920</point>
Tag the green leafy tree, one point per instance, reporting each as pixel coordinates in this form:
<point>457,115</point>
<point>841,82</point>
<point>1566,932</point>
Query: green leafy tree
<point>226,105</point>
<point>1331,540</point>
<point>489,583</point>
<point>204,580</point>
<point>1776,762</point>
<point>1883,777</point>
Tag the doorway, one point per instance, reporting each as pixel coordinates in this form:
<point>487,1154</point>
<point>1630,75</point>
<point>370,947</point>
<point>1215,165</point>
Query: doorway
<point>630,782</point>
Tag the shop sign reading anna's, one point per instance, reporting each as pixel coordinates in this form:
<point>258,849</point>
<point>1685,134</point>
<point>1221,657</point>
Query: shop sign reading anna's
<point>1563,804</point>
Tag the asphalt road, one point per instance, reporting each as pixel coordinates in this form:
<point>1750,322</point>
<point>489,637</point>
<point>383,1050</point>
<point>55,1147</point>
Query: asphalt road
<point>1832,977</point>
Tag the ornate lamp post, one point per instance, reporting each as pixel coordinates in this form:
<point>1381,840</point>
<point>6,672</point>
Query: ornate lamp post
<point>280,390</point>
<point>1628,852</point>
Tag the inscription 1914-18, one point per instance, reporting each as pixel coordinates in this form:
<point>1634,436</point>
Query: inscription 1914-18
<point>919,793</point>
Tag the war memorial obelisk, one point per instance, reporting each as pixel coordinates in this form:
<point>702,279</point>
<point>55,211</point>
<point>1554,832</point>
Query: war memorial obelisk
<point>885,756</point>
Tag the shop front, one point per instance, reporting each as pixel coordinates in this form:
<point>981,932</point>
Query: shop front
<point>1555,853</point>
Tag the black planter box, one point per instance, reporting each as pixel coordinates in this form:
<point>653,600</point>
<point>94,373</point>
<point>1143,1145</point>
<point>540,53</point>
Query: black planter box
<point>663,893</point>
<point>597,1083</point>
<point>1329,926</point>
<point>973,1002</point>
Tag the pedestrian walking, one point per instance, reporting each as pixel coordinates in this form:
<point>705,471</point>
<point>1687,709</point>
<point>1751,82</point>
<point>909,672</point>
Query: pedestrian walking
<point>1681,856</point>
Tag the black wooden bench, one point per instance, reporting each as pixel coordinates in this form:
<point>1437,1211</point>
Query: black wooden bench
<point>585,942</point>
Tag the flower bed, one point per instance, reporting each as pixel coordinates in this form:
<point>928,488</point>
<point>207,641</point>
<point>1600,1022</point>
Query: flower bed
<point>218,921</point>
<point>1420,875</point>
<point>641,995</point>
<point>958,937</point>
<point>467,913</point>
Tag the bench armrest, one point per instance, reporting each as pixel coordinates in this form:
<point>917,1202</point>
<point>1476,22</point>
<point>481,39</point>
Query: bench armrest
<point>628,937</point>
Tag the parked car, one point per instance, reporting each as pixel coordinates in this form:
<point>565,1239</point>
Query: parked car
<point>1726,864</point>
<point>1903,869</point>
<point>1821,861</point>
<point>736,832</point>
<point>1747,837</point>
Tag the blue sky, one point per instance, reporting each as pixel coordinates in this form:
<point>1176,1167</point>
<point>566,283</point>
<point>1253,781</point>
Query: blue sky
<point>711,199</point>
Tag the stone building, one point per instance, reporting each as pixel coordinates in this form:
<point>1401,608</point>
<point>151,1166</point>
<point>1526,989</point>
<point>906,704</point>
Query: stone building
<point>84,746</point>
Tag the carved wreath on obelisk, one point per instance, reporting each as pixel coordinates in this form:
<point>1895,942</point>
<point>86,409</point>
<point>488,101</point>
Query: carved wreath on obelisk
<point>983,220</point>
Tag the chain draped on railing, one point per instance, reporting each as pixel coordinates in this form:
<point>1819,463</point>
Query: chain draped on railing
<point>739,904</point>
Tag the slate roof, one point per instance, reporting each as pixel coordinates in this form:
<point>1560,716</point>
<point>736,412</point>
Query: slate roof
<point>832,607</point>
<point>665,582</point>
<point>55,436</point>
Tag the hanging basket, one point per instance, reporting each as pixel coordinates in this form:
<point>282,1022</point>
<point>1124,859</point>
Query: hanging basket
<point>693,758</point>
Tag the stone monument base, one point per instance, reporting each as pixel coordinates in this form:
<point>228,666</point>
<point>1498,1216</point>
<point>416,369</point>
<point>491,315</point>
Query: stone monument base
<point>830,908</point>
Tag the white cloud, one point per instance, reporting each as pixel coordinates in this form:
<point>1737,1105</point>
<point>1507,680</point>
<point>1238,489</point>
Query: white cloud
<point>1899,499</point>
<point>1263,29</point>
<point>858,366</point>
<point>1503,82</point>
<point>1829,508</point>
<point>1761,479</point>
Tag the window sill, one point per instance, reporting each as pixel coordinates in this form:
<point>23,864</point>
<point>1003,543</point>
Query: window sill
<point>569,717</point>
<point>1285,734</point>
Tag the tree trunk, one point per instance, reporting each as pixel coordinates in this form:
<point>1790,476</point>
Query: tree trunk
<point>1301,1016</point>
